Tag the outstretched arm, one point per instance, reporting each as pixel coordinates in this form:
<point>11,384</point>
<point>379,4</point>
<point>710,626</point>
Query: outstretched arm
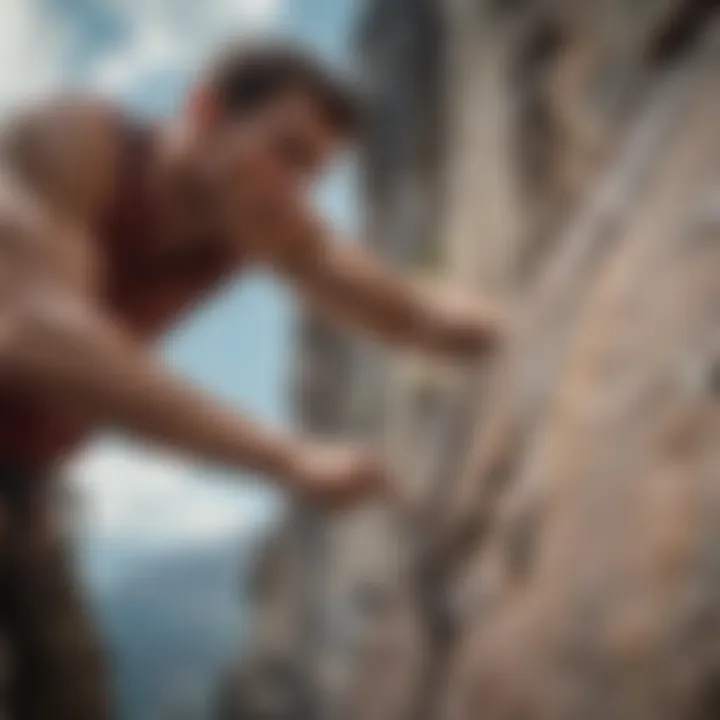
<point>348,283</point>
<point>61,347</point>
<point>58,346</point>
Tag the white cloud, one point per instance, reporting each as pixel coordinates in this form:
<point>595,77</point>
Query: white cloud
<point>133,495</point>
<point>37,43</point>
<point>173,35</point>
<point>33,44</point>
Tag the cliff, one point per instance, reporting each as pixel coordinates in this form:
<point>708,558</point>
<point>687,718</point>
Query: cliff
<point>564,157</point>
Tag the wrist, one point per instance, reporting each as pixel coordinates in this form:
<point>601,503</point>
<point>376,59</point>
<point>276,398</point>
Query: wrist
<point>285,461</point>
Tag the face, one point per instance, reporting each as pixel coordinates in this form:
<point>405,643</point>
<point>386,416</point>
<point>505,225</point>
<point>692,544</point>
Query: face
<point>265,164</point>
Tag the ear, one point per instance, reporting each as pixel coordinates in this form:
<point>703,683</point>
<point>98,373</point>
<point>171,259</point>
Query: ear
<point>204,109</point>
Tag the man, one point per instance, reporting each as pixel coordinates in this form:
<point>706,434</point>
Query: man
<point>109,232</point>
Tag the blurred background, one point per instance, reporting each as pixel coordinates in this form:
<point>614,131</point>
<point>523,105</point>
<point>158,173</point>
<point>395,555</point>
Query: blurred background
<point>166,547</point>
<point>559,155</point>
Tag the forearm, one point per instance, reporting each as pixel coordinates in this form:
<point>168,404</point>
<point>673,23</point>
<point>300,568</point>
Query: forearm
<point>347,282</point>
<point>398,312</point>
<point>81,360</point>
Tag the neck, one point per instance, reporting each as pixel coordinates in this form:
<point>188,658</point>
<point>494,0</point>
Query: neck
<point>183,187</point>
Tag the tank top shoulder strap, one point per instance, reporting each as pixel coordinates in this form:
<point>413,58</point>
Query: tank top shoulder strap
<point>125,225</point>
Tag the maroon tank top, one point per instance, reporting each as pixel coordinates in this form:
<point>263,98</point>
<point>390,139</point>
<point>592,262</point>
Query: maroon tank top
<point>144,293</point>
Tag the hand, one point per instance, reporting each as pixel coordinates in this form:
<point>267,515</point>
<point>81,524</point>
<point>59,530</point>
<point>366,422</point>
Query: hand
<point>338,477</point>
<point>462,327</point>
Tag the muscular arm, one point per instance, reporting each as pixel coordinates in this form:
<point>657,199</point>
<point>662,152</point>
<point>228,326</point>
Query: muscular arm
<point>58,345</point>
<point>347,282</point>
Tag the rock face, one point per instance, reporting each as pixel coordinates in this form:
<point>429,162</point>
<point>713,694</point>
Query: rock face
<point>589,588</point>
<point>567,567</point>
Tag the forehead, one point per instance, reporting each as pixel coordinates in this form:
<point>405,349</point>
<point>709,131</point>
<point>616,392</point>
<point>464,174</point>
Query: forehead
<point>299,110</point>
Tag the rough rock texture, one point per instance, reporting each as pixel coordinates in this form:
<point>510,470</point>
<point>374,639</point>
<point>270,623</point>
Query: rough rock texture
<point>590,587</point>
<point>565,562</point>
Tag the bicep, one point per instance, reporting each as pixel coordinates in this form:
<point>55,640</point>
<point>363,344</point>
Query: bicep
<point>310,256</point>
<point>345,281</point>
<point>347,284</point>
<point>350,275</point>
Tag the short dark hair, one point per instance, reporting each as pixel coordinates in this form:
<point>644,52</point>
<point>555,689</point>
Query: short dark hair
<point>247,75</point>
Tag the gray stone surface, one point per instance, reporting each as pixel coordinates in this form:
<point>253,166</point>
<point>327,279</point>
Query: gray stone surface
<point>564,156</point>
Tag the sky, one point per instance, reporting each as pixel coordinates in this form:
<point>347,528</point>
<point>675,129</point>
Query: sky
<point>144,53</point>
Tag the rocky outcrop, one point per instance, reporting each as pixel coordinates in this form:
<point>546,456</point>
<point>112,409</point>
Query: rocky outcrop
<point>563,565</point>
<point>585,586</point>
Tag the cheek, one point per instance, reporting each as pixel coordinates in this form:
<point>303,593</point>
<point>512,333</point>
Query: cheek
<point>275,180</point>
<point>247,178</point>
<point>260,184</point>
<point>265,200</point>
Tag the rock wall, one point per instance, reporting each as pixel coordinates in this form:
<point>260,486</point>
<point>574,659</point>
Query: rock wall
<point>585,586</point>
<point>564,156</point>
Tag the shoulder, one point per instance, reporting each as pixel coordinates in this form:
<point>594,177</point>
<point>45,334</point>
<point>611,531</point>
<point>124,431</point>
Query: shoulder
<point>65,150</point>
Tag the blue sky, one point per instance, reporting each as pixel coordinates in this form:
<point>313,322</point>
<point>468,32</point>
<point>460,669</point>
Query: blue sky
<point>144,52</point>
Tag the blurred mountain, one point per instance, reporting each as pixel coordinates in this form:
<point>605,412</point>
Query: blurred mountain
<point>171,620</point>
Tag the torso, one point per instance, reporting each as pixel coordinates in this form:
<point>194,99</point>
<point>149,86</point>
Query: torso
<point>146,295</point>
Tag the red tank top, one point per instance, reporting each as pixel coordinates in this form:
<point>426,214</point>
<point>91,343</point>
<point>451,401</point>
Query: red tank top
<point>143,293</point>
